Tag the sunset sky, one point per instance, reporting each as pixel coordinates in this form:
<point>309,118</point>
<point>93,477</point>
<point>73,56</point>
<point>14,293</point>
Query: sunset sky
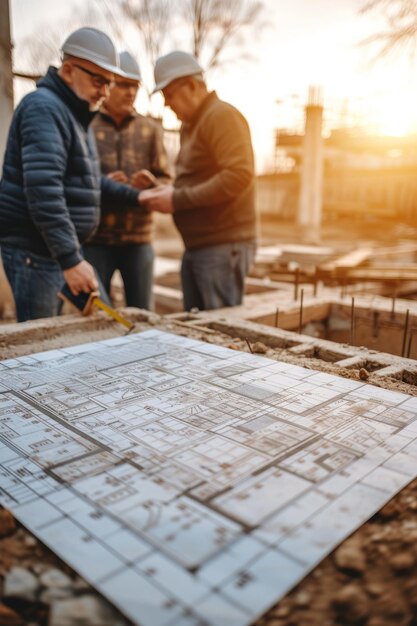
<point>306,42</point>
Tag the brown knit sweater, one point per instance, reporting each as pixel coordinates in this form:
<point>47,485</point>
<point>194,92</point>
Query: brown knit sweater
<point>214,188</point>
<point>136,144</point>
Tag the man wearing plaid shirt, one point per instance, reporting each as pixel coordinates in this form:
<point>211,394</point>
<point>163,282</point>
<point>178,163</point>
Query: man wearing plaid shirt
<point>131,150</point>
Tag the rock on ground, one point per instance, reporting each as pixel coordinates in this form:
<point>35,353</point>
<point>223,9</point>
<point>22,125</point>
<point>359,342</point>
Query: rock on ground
<point>83,611</point>
<point>54,578</point>
<point>20,583</point>
<point>350,556</point>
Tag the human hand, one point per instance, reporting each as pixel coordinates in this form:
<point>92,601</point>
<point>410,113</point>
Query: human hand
<point>119,176</point>
<point>159,199</point>
<point>143,179</point>
<point>80,278</point>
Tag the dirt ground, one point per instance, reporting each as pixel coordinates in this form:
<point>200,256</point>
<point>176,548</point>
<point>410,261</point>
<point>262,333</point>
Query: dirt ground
<point>343,232</point>
<point>370,580</point>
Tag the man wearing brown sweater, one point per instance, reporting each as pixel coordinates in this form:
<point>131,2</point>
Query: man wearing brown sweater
<point>131,150</point>
<point>212,200</point>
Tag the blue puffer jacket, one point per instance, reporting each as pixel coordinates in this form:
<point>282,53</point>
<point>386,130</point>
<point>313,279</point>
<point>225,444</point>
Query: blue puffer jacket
<point>50,192</point>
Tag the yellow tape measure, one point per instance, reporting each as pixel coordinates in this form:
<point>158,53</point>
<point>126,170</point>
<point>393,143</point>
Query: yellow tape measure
<point>114,314</point>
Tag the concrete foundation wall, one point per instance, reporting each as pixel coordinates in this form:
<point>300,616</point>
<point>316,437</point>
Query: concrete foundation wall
<point>359,194</point>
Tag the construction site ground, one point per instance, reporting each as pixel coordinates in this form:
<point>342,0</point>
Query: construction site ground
<point>345,232</point>
<point>370,580</point>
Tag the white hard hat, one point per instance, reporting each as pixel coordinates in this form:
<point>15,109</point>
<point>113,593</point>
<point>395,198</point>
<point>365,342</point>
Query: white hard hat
<point>129,66</point>
<point>174,65</point>
<point>92,45</point>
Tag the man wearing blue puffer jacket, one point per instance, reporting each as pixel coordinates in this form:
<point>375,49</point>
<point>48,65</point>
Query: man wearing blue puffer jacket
<point>51,187</point>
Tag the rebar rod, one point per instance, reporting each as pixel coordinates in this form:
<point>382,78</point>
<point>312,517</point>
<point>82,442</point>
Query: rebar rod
<point>407,315</point>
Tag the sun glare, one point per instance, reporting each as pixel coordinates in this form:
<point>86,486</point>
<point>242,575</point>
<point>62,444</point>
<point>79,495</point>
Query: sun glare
<point>395,119</point>
<point>395,128</point>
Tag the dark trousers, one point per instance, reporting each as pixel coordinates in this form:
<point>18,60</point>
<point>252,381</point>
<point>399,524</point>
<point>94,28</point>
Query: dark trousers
<point>135,264</point>
<point>214,277</point>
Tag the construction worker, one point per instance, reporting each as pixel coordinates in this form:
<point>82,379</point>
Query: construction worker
<point>51,185</point>
<point>131,149</point>
<point>212,200</point>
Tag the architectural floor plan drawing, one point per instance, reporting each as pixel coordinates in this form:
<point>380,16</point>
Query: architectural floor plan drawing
<point>191,484</point>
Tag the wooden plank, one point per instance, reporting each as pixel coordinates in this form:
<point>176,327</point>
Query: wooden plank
<point>349,260</point>
<point>378,274</point>
<point>394,250</point>
<point>288,276</point>
<point>398,267</point>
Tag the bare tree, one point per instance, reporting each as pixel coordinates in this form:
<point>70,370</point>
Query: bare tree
<point>210,26</point>
<point>218,25</point>
<point>35,52</point>
<point>152,19</point>
<point>401,22</point>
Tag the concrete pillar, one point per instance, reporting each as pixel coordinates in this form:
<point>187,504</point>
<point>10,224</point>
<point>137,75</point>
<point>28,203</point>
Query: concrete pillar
<point>6,77</point>
<point>311,188</point>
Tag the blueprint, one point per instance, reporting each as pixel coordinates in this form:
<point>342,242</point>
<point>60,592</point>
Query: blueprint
<point>191,484</point>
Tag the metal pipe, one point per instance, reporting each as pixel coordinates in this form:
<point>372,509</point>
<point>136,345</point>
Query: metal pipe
<point>296,283</point>
<point>249,346</point>
<point>409,343</point>
<point>407,315</point>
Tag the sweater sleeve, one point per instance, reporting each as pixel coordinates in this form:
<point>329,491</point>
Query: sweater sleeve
<point>44,150</point>
<point>226,134</point>
<point>117,194</point>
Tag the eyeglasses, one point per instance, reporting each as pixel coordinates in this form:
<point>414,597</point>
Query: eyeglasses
<point>97,80</point>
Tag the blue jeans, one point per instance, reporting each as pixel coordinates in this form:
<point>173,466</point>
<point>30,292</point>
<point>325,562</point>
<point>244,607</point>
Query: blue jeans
<point>135,263</point>
<point>35,281</point>
<point>214,277</point>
